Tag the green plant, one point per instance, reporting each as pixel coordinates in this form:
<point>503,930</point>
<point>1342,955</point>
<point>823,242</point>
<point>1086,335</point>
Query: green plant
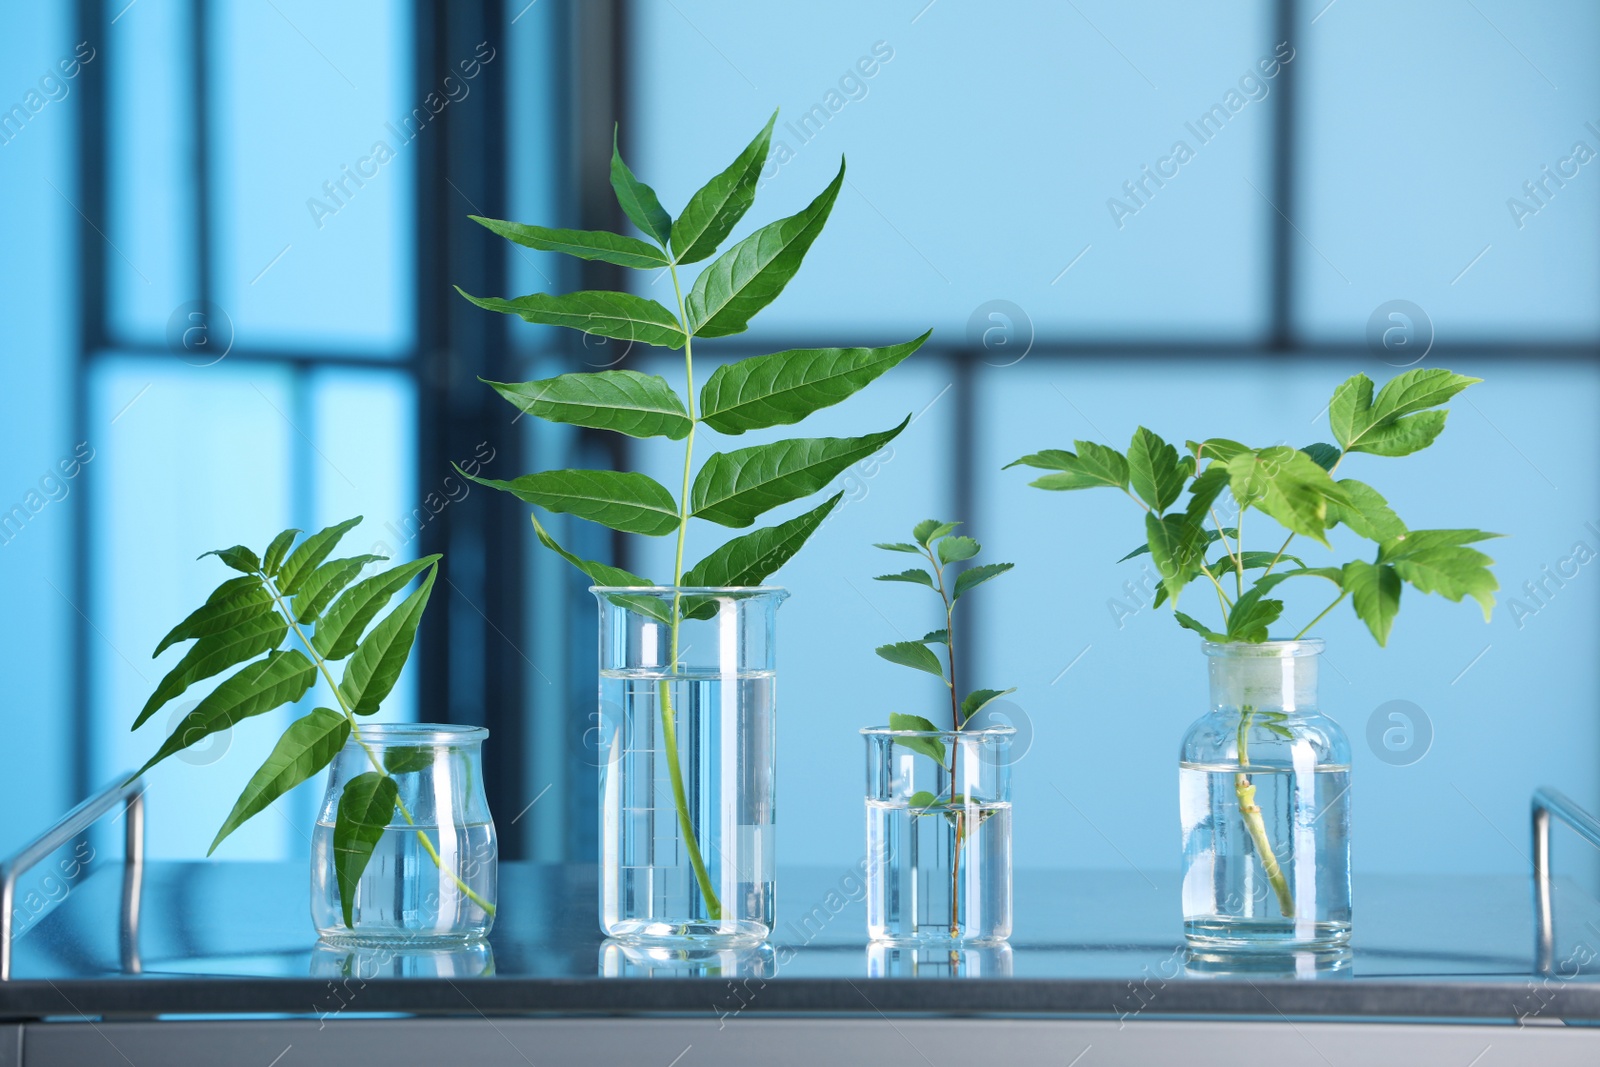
<point>246,621</point>
<point>938,543</point>
<point>1298,491</point>
<point>733,488</point>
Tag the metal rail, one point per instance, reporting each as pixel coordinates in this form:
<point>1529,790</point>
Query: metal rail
<point>129,792</point>
<point>1548,802</point>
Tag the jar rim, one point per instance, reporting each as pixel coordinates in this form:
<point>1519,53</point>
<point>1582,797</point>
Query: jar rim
<point>1305,646</point>
<point>988,732</point>
<point>413,733</point>
<point>730,591</point>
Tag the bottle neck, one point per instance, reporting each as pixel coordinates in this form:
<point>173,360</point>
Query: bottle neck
<point>1271,677</point>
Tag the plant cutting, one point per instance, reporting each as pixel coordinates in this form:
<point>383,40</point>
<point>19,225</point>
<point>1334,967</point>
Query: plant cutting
<point>969,776</point>
<point>247,623</point>
<point>730,488</point>
<point>1265,688</point>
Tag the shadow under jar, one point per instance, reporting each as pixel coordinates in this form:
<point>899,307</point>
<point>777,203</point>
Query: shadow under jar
<point>939,834</point>
<point>687,753</point>
<point>432,875</point>
<point>1264,795</point>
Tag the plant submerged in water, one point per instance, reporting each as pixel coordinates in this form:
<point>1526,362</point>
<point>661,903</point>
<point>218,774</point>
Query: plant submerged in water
<point>731,489</point>
<point>1297,490</point>
<point>937,542</point>
<point>250,616</point>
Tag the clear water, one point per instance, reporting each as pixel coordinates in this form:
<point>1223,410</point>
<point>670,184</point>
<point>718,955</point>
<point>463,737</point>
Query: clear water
<point>922,857</point>
<point>726,752</point>
<point>1228,901</point>
<point>403,896</point>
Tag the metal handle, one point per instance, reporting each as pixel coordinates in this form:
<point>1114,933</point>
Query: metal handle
<point>1548,802</point>
<point>130,793</point>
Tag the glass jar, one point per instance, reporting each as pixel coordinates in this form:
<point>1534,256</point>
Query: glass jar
<point>1264,794</point>
<point>688,772</point>
<point>939,834</point>
<point>431,878</point>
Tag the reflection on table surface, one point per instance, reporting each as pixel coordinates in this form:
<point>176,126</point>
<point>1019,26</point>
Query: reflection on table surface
<point>252,920</point>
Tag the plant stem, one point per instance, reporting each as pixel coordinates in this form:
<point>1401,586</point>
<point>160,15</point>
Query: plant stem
<point>1339,600</point>
<point>1281,549</point>
<point>955,726</point>
<point>669,726</point>
<point>355,733</point>
<point>1251,814</point>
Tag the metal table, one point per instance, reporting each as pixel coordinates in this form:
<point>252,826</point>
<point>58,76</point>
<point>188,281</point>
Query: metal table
<point>217,963</point>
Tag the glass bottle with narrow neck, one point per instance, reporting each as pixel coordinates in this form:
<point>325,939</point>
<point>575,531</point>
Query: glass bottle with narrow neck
<point>1264,794</point>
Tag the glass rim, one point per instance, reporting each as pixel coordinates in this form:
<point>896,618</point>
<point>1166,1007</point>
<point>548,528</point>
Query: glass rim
<point>413,733</point>
<point>694,590</point>
<point>987,732</point>
<point>1285,649</point>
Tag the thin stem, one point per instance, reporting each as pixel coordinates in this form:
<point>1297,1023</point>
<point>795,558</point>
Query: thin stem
<point>669,725</point>
<point>955,746</point>
<point>1337,601</point>
<point>1253,823</point>
<point>1238,560</point>
<point>1276,558</point>
<point>372,757</point>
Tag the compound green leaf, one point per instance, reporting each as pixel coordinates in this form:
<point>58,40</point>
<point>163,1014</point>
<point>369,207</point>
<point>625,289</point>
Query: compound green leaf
<point>735,488</point>
<point>229,604</point>
<point>751,274</point>
<point>215,653</point>
<point>585,244</point>
<point>782,388</point>
<point>306,747</point>
<point>341,627</point>
<point>282,678</point>
<point>1286,484</point>
<point>309,556</point>
<point>714,210</point>
<point>626,401</point>
<point>325,583</point>
<point>375,665</point>
<point>365,808</point>
<point>622,316</point>
<point>1438,561</point>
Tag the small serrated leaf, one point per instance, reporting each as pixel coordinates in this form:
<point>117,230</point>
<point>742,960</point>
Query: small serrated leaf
<point>1204,631</point>
<point>930,530</point>
<point>931,747</point>
<point>913,654</point>
<point>973,577</point>
<point>956,549</point>
<point>899,546</point>
<point>978,699</point>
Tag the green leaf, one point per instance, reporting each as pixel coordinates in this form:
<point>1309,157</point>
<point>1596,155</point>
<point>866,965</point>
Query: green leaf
<point>626,401</point>
<point>1396,422</point>
<point>1203,492</point>
<point>214,653</point>
<point>930,530</point>
<point>622,316</point>
<point>1091,467</point>
<point>229,604</point>
<point>365,808</point>
<point>922,798</point>
<point>1218,448</point>
<point>899,547</point>
<point>325,583</point>
<point>1375,594</point>
<point>1190,624</point>
<point>309,556</point>
<point>1211,537</point>
<point>1154,471</point>
<point>735,488</point>
<point>238,557</point>
<point>916,576</point>
<point>281,678</point>
<point>782,388</point>
<point>937,637</point>
<point>375,666</point>
<point>978,699</point>
<point>606,575</point>
<point>1177,548</point>
<point>585,244</point>
<point>1323,455</point>
<point>913,654</point>
<point>973,577</point>
<point>306,747</point>
<point>1286,484</point>
<point>1366,512</point>
<point>622,500</point>
<point>750,558</point>
<point>276,551</point>
<point>1251,615</point>
<point>717,207</point>
<point>955,549</point>
<point>1251,561</point>
<point>407,759</point>
<point>638,200</point>
<point>342,625</point>
<point>931,747</point>
<point>1438,561</point>
<point>751,274</point>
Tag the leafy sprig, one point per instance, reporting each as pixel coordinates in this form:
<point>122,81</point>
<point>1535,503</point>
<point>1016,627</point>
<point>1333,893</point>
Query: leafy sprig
<point>732,488</point>
<point>245,623</point>
<point>1296,488</point>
